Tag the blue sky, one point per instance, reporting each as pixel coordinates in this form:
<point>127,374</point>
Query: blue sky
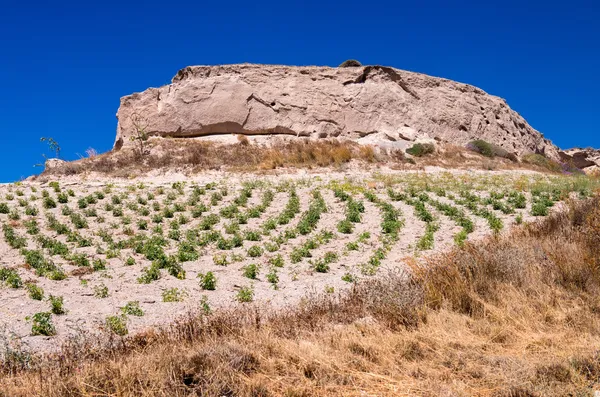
<point>64,65</point>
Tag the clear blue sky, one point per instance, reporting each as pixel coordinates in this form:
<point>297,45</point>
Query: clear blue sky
<point>64,65</point>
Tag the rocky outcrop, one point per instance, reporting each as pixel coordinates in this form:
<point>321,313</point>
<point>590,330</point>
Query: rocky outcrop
<point>371,103</point>
<point>54,163</point>
<point>587,159</point>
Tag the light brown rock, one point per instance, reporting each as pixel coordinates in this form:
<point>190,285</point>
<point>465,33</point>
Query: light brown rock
<point>393,106</point>
<point>587,159</point>
<point>54,163</point>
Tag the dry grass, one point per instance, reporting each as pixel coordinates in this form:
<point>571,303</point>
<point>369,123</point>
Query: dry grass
<point>197,155</point>
<point>516,315</point>
<point>192,156</point>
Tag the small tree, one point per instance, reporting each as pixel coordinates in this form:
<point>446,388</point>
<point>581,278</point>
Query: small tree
<point>140,124</point>
<point>54,146</point>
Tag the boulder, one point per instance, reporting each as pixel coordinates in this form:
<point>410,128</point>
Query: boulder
<point>54,163</point>
<point>388,104</point>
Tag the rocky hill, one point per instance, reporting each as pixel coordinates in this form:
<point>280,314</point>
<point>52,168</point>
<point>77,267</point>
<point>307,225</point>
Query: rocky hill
<point>373,104</point>
<point>587,159</point>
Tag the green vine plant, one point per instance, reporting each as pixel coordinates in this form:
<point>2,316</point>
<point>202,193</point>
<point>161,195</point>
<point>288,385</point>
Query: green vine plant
<point>54,147</point>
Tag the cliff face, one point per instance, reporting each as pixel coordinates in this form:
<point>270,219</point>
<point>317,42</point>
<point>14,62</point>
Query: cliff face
<point>321,102</point>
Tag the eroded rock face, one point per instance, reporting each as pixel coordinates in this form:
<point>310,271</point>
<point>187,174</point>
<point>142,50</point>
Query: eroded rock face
<point>587,159</point>
<point>319,102</point>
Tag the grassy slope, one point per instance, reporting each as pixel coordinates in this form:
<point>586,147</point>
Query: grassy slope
<point>518,315</point>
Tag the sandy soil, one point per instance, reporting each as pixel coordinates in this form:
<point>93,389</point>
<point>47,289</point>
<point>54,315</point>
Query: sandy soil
<point>86,312</point>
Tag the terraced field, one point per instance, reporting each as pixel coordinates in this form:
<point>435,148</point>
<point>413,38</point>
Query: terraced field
<point>90,257</point>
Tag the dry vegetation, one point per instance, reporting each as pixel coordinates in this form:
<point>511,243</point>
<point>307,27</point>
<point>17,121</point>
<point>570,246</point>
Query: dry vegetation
<point>197,155</point>
<point>515,315</point>
<point>191,155</point>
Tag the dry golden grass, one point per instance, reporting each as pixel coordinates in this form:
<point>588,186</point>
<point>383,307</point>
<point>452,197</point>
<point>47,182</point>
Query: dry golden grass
<point>515,315</point>
<point>195,155</point>
<point>190,155</point>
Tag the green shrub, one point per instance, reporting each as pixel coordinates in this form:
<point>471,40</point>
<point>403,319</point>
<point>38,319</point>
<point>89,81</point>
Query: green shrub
<point>78,221</point>
<point>173,295</point>
<point>56,304</point>
<point>255,251</point>
<point>12,238</point>
<point>208,281</point>
<point>117,325</point>
<point>541,161</point>
<point>349,278</point>
<point>421,149</point>
<point>101,291</point>
<point>460,238</point>
<point>133,309</point>
<point>352,246</point>
<point>539,208</point>
<point>273,278</point>
<point>252,235</point>
<point>245,294</point>
<point>31,211</point>
<point>350,63</point>
<point>250,271</point>
<point>149,274</point>
<point>345,226</point>
<point>276,261</point>
<point>42,324</point>
<point>98,264</point>
<point>10,277</point>
<point>49,203</point>
<point>14,215</point>
<point>321,266</point>
<point>490,150</point>
<point>35,292</point>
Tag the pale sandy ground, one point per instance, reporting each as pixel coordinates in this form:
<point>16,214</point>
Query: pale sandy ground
<point>87,313</point>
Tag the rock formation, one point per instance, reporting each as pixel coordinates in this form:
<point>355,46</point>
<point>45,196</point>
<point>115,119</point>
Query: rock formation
<point>587,159</point>
<point>375,104</point>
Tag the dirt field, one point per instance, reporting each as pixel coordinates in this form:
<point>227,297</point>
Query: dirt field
<point>125,256</point>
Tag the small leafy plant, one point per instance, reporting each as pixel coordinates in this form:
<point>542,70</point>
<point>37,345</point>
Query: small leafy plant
<point>42,324</point>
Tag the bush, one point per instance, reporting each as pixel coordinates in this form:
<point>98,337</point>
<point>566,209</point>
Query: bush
<point>350,63</point>
<point>490,150</point>
<point>35,292</point>
<point>277,261</point>
<point>245,294</point>
<point>173,295</point>
<point>133,309</point>
<point>42,324</point>
<point>56,303</point>
<point>117,325</point>
<point>49,203</point>
<point>421,149</point>
<point>101,291</point>
<point>345,226</point>
<point>251,271</point>
<point>11,277</point>
<point>255,251</point>
<point>542,161</point>
<point>208,281</point>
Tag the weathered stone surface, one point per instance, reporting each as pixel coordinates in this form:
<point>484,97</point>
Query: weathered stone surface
<point>383,103</point>
<point>54,163</point>
<point>587,159</point>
